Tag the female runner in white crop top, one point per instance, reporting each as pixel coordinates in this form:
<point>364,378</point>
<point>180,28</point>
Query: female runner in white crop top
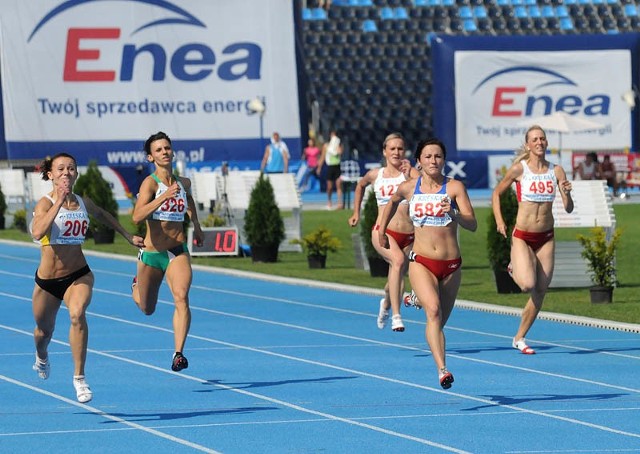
<point>385,181</point>
<point>532,243</point>
<point>163,202</point>
<point>59,225</point>
<point>437,206</point>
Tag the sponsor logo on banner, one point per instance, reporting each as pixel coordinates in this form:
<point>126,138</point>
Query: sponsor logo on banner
<point>500,94</point>
<point>522,101</point>
<point>188,62</point>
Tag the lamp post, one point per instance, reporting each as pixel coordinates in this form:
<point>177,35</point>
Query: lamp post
<point>256,106</point>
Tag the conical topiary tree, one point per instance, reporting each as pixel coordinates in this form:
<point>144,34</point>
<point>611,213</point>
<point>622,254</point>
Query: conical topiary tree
<point>263,223</point>
<point>93,185</point>
<point>499,247</point>
<point>3,208</point>
<point>378,267</point>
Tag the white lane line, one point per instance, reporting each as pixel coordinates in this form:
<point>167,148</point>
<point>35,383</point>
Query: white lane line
<point>371,341</point>
<point>203,381</point>
<point>406,347</point>
<point>325,365</point>
<point>244,295</point>
<point>376,342</point>
<point>108,416</point>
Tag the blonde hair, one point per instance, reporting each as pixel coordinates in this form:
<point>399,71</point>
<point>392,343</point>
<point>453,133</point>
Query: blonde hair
<point>522,153</point>
<point>393,135</point>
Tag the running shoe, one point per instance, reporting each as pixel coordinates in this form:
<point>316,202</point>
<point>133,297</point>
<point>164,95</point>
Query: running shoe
<point>523,347</point>
<point>42,368</point>
<point>510,270</point>
<point>134,282</point>
<point>83,392</point>
<point>179,362</point>
<point>411,300</point>
<point>396,323</point>
<point>446,378</point>
<point>383,315</point>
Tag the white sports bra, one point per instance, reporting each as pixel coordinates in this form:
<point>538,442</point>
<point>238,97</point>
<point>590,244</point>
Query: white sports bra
<point>172,209</point>
<point>534,187</point>
<point>69,227</point>
<point>384,188</point>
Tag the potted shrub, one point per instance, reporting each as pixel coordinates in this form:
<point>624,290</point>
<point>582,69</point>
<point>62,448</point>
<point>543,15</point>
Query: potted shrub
<point>499,247</point>
<point>3,208</point>
<point>263,223</point>
<point>600,254</point>
<point>378,267</point>
<point>317,245</point>
<point>20,220</point>
<point>93,185</point>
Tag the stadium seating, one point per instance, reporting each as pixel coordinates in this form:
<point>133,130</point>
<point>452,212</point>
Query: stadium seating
<point>367,61</point>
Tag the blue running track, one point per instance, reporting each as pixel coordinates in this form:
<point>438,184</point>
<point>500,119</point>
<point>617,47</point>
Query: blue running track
<point>280,366</point>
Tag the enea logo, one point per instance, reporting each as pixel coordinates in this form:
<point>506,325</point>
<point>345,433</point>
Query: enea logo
<point>524,101</point>
<point>191,62</point>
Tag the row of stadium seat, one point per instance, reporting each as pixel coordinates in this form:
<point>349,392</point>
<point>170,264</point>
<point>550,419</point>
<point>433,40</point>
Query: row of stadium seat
<point>585,18</point>
<point>371,75</point>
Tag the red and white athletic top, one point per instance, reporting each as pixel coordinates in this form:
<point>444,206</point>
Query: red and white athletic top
<point>69,227</point>
<point>384,188</point>
<point>534,187</point>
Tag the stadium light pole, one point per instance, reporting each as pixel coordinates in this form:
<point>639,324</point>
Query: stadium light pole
<point>256,106</point>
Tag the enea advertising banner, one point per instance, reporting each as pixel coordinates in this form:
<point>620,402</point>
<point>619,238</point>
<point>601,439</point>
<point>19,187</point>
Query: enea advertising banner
<point>487,90</point>
<point>96,78</point>
<point>500,94</point>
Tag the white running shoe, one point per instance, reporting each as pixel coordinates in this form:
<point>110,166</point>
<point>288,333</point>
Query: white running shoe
<point>383,315</point>
<point>411,300</point>
<point>396,323</point>
<point>523,347</point>
<point>83,392</point>
<point>42,368</point>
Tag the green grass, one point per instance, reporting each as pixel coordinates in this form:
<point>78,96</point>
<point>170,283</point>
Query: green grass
<point>477,283</point>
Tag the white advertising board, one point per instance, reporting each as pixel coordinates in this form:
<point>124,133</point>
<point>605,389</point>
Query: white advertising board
<point>499,93</point>
<point>98,77</point>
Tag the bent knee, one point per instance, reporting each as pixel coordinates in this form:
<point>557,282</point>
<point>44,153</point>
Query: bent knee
<point>45,333</point>
<point>147,309</point>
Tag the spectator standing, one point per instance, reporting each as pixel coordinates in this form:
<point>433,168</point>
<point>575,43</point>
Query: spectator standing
<point>276,156</point>
<point>331,157</point>
<point>310,155</point>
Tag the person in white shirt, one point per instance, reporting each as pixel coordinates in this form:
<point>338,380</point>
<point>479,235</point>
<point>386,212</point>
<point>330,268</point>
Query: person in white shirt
<point>589,169</point>
<point>331,157</point>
